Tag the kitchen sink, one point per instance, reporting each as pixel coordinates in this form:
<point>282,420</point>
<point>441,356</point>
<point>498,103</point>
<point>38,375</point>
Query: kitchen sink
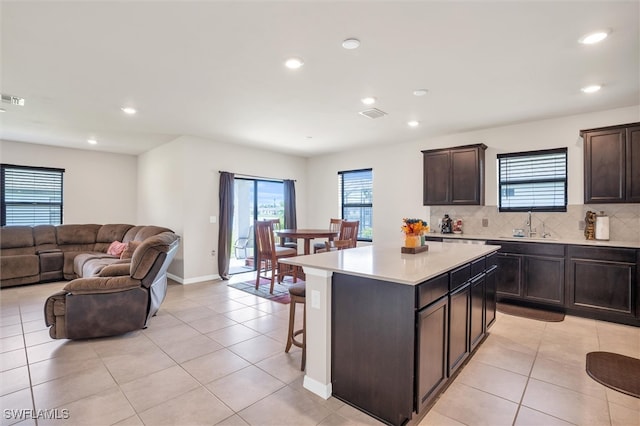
<point>529,238</point>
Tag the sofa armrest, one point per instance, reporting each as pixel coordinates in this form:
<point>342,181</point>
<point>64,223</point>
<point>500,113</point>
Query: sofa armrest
<point>116,270</point>
<point>101,285</point>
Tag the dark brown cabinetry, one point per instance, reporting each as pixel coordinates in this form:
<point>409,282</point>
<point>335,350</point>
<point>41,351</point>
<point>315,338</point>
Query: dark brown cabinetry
<point>603,281</point>
<point>459,327</point>
<point>431,356</point>
<point>395,346</point>
<point>454,176</point>
<point>532,272</point>
<point>612,164</point>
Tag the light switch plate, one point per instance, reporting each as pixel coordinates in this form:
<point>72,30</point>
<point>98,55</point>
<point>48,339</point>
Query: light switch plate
<point>315,299</point>
<point>212,219</point>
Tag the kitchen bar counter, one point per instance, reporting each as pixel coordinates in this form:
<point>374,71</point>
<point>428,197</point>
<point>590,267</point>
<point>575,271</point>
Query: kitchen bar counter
<point>385,262</point>
<point>362,306</point>
<point>550,240</point>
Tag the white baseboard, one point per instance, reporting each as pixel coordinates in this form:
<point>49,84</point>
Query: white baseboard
<point>320,389</point>
<point>183,281</point>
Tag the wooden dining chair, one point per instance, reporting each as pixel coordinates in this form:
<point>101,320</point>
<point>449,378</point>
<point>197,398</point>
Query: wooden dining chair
<point>349,231</point>
<point>278,226</point>
<point>268,254</point>
<point>334,225</point>
<point>338,245</point>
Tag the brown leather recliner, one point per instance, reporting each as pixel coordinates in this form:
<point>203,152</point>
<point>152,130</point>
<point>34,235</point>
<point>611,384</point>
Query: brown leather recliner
<point>121,299</point>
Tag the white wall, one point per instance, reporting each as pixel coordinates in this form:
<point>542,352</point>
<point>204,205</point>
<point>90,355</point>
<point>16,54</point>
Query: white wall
<point>397,169</point>
<point>98,187</point>
<point>190,201</point>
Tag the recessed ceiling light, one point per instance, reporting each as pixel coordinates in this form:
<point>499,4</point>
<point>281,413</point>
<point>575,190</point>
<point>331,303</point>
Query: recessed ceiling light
<point>413,123</point>
<point>294,63</point>
<point>351,43</point>
<point>591,89</point>
<point>370,100</point>
<point>594,37</point>
<point>420,92</point>
<point>92,141</point>
<point>128,110</point>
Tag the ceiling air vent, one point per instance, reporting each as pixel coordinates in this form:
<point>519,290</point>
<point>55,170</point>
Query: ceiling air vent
<point>13,100</point>
<point>373,113</point>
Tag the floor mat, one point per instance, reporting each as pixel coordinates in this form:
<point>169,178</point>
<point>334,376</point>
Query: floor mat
<point>615,371</point>
<point>280,291</point>
<point>536,314</point>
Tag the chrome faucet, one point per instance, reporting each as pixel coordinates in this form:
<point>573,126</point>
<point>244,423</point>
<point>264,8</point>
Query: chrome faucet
<point>532,231</point>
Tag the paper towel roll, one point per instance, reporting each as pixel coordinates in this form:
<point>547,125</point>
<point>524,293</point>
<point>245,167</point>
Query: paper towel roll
<point>602,227</point>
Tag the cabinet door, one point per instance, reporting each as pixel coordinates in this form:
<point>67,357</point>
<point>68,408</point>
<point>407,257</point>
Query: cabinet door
<point>466,176</point>
<point>490,288</point>
<point>431,356</point>
<point>477,326</point>
<point>633,164</point>
<point>604,166</point>
<point>544,279</point>
<point>509,275</point>
<point>436,178</point>
<point>458,327</point>
<point>603,286</point>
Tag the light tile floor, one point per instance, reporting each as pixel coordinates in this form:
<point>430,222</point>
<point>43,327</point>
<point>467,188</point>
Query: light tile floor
<point>215,355</point>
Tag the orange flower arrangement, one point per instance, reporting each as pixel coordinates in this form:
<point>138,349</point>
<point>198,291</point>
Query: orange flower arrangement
<point>414,226</point>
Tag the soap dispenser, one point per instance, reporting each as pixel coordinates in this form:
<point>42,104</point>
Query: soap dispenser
<point>602,226</point>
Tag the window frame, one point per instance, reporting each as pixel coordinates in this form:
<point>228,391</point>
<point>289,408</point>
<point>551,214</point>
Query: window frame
<point>35,169</point>
<point>344,206</point>
<point>532,154</point>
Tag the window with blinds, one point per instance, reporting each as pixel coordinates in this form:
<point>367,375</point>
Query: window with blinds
<point>31,195</point>
<point>355,192</point>
<point>533,181</point>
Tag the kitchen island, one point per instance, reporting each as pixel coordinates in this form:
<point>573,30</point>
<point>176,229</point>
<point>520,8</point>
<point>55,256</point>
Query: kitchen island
<point>386,330</point>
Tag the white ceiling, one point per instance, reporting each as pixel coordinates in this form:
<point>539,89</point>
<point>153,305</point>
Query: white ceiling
<point>214,69</point>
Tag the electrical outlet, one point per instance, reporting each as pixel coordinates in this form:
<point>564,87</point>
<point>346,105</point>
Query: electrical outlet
<point>581,225</point>
<point>485,222</point>
<point>213,252</point>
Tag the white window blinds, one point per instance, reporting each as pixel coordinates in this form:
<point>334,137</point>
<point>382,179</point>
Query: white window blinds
<point>355,191</point>
<point>533,181</point>
<point>31,195</point>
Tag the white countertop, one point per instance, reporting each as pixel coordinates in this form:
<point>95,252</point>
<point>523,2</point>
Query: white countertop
<point>596,243</point>
<point>387,263</point>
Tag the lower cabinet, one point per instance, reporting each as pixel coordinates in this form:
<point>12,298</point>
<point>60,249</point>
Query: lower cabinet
<point>603,281</point>
<point>477,311</point>
<point>491,287</point>
<point>431,351</point>
<point>459,315</point>
<point>532,272</point>
<point>592,281</point>
<point>543,279</point>
<point>395,346</point>
<point>510,276</point>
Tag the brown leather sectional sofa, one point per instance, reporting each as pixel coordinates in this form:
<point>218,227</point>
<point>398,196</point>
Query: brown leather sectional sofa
<point>43,253</point>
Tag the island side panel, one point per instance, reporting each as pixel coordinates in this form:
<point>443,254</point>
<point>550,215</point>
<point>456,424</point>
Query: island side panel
<point>373,341</point>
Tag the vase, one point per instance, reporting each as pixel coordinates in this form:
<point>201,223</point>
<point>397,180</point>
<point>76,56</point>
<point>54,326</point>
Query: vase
<point>412,240</point>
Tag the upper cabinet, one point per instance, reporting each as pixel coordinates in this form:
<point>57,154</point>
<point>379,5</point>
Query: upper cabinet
<point>454,176</point>
<point>612,164</point>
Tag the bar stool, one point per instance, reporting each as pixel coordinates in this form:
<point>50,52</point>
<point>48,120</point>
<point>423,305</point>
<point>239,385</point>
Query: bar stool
<point>297,295</point>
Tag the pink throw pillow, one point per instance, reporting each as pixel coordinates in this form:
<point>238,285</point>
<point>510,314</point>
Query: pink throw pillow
<point>116,248</point>
<point>131,247</point>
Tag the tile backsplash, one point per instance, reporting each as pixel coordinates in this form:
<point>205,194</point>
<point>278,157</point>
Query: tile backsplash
<point>624,221</point>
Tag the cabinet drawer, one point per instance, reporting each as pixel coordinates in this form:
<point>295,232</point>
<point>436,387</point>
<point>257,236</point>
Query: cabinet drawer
<point>459,276</point>
<point>603,253</point>
<point>432,290</point>
<point>478,266</point>
<point>541,249</point>
<point>492,261</point>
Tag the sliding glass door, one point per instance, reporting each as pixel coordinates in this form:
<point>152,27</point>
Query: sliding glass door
<point>254,199</point>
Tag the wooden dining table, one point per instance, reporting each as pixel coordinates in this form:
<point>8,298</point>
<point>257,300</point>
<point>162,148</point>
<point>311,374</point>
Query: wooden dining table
<point>307,235</point>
